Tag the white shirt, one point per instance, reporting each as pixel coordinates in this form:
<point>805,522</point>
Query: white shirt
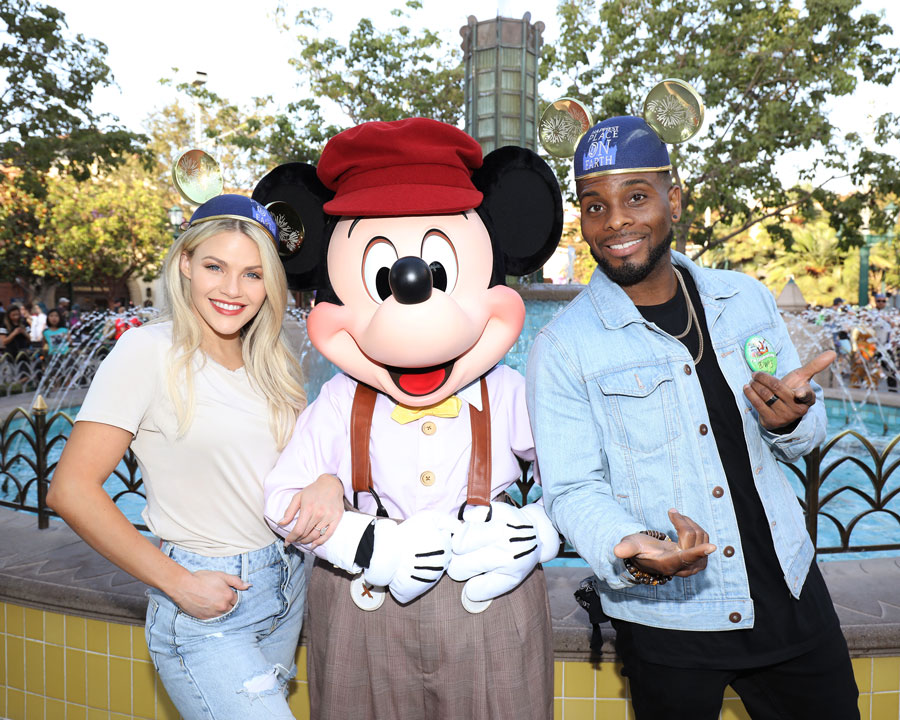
<point>204,489</point>
<point>37,327</point>
<point>401,454</point>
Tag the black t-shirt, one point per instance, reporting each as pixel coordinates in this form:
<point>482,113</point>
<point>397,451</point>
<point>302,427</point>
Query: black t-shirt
<point>18,344</point>
<point>784,627</point>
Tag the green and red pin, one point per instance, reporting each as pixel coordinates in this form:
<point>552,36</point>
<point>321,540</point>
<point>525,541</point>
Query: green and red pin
<point>759,355</point>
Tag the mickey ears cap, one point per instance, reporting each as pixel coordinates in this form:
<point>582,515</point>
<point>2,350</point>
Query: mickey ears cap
<point>416,166</point>
<point>624,144</point>
<point>237,207</point>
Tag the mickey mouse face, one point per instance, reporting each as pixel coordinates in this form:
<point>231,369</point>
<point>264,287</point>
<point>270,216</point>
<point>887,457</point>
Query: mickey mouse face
<point>418,320</point>
<point>414,304</point>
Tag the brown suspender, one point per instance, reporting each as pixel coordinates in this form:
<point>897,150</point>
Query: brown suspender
<point>479,488</point>
<point>479,492</point>
<point>360,429</point>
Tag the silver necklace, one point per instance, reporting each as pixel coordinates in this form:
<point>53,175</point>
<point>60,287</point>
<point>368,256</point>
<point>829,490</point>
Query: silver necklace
<point>692,317</point>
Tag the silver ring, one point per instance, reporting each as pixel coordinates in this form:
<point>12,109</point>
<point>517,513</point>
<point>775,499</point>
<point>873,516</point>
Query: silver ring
<point>771,401</point>
<point>323,530</point>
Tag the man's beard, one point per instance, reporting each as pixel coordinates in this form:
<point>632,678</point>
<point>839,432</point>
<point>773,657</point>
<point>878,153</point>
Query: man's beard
<point>629,273</point>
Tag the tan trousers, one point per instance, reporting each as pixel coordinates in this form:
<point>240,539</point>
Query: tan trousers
<point>430,659</point>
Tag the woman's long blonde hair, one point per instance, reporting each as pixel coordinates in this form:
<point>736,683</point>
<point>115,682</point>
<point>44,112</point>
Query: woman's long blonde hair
<point>270,365</point>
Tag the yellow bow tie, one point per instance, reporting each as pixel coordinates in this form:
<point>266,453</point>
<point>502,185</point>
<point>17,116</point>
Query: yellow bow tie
<point>448,408</point>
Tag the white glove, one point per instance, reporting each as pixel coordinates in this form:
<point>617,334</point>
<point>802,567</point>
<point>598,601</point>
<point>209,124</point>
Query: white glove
<point>340,548</point>
<point>410,557</point>
<point>495,556</point>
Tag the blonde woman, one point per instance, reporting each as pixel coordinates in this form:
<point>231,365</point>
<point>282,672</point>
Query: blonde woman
<point>206,398</point>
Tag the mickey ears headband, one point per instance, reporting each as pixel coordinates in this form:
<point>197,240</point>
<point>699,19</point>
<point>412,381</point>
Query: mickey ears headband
<point>672,109</point>
<point>198,179</point>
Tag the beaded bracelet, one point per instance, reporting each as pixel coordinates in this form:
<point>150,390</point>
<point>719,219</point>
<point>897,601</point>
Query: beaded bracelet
<point>641,576</point>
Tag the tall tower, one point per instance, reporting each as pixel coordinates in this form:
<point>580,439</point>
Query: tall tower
<point>501,57</point>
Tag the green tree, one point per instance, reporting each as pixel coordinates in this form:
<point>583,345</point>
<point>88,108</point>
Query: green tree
<point>244,139</point>
<point>108,229</point>
<point>765,70</point>
<point>377,75</point>
<point>45,116</point>
<point>23,244</point>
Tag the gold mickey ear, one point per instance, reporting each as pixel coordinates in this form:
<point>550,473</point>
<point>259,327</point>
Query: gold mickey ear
<point>291,232</point>
<point>197,176</point>
<point>562,125</point>
<point>674,110</point>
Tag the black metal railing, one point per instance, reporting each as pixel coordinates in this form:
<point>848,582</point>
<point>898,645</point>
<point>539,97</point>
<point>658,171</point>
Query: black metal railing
<point>30,444</point>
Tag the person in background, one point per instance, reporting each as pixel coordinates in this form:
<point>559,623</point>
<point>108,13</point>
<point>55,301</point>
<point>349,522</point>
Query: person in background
<point>63,306</point>
<point>37,325</point>
<point>205,397</point>
<point>55,335</point>
<point>885,357</point>
<point>14,334</point>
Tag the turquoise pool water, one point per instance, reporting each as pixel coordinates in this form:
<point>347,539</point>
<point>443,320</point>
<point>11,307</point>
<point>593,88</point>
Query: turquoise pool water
<point>877,528</point>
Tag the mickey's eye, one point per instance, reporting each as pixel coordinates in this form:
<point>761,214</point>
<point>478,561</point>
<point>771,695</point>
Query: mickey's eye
<point>440,256</point>
<point>376,268</point>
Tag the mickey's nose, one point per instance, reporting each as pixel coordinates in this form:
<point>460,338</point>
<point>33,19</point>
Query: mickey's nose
<point>410,280</point>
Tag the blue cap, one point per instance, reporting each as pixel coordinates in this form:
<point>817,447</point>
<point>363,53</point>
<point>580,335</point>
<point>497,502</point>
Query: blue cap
<point>623,144</point>
<point>236,207</point>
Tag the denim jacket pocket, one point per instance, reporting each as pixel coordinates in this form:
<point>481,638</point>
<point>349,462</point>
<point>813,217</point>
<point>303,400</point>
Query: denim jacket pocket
<point>640,402</point>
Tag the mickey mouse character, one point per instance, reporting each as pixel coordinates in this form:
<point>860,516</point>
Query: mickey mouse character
<point>432,603</point>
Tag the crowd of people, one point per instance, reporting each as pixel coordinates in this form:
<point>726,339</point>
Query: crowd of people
<point>35,337</point>
<point>866,340</point>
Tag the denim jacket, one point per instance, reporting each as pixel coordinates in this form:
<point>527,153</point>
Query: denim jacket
<point>621,432</point>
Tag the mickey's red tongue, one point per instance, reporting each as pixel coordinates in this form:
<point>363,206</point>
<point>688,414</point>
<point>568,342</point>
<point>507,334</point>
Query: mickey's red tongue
<point>422,383</point>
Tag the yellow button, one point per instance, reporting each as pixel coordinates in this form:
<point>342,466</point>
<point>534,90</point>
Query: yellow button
<point>427,478</point>
<point>429,428</point>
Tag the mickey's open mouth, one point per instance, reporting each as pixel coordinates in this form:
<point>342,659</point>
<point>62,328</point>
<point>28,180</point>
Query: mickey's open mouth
<point>420,381</point>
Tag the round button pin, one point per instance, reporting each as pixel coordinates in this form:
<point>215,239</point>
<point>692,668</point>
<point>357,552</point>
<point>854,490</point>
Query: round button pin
<point>759,355</point>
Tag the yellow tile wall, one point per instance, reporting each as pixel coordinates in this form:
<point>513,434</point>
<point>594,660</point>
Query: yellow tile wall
<point>61,667</point>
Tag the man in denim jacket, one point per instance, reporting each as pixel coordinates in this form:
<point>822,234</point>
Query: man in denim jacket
<point>648,417</point>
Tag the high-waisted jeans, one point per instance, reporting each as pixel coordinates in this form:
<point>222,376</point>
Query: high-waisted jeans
<point>235,666</point>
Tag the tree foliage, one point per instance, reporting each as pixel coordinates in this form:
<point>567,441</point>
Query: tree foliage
<point>237,136</point>
<point>107,229</point>
<point>377,75</point>
<point>765,70</point>
<point>45,116</point>
<point>23,244</point>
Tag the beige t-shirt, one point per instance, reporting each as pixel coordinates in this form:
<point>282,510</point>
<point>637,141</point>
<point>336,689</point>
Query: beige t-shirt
<point>204,489</point>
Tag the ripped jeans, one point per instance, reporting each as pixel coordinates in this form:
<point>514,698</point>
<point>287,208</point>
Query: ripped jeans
<point>236,666</point>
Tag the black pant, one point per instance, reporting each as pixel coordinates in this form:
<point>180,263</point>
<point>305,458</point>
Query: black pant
<point>818,685</point>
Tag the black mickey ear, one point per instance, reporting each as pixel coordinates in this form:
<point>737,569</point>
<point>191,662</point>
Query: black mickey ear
<point>297,185</point>
<point>523,201</point>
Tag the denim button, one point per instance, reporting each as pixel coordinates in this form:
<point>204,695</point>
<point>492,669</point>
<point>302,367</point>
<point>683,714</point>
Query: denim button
<point>717,492</point>
<point>687,369</point>
<point>735,617</point>
<point>703,429</point>
<point>728,551</point>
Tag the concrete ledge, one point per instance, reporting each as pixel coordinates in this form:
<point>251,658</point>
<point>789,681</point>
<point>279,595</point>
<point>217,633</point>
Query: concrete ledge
<point>55,570</point>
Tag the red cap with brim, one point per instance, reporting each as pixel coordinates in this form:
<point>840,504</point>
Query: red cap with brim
<point>405,167</point>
